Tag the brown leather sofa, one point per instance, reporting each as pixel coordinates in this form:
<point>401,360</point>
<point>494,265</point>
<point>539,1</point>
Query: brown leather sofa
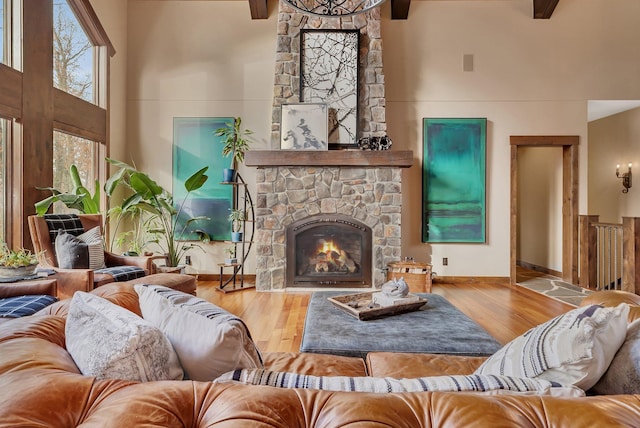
<point>41,386</point>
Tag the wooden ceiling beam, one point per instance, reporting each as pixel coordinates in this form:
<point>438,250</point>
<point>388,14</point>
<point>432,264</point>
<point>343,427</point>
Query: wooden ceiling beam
<point>258,9</point>
<point>543,9</point>
<point>400,9</point>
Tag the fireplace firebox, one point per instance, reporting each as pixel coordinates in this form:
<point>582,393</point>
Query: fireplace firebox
<point>328,250</point>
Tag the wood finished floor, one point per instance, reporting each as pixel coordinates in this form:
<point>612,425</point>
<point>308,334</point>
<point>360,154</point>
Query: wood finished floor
<point>276,319</point>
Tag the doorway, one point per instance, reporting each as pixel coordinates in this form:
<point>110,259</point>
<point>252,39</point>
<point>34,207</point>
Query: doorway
<point>569,145</point>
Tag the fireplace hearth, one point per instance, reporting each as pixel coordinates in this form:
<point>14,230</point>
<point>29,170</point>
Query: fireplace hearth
<point>328,250</point>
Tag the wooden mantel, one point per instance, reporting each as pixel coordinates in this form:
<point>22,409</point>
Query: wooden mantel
<point>350,158</point>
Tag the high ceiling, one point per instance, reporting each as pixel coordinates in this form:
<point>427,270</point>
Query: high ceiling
<point>542,9</point>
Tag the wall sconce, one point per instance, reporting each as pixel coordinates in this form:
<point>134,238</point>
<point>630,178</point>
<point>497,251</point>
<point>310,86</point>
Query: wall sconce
<point>626,178</point>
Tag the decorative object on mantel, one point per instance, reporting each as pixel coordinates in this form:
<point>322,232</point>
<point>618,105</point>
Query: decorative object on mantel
<point>375,143</point>
<point>333,8</point>
<point>304,126</point>
<point>329,74</point>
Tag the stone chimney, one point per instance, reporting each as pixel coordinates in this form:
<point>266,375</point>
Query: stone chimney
<point>371,102</point>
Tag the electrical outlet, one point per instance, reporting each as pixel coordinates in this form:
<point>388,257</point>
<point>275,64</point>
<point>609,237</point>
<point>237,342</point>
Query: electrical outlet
<point>445,261</point>
<point>187,260</point>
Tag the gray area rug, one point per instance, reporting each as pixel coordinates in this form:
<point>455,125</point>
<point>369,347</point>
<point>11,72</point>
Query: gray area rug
<point>437,328</point>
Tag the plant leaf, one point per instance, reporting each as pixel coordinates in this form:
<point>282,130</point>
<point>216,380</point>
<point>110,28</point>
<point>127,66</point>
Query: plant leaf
<point>196,180</point>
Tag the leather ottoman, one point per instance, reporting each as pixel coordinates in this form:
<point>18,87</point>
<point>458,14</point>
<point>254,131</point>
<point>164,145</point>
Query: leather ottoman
<point>176,281</point>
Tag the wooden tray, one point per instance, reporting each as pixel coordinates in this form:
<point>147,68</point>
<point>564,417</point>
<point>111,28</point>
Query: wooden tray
<point>358,306</point>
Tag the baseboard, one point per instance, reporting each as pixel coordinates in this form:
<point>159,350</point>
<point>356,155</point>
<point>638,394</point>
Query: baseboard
<point>502,280</point>
<point>537,268</point>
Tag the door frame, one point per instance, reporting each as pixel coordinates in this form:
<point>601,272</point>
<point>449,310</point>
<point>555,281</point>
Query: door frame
<point>569,145</point>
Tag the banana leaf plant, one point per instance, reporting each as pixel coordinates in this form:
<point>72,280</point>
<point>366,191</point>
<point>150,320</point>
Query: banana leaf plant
<point>159,215</point>
<point>78,199</point>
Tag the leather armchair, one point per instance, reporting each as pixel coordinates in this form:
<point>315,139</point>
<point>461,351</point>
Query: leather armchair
<point>72,280</point>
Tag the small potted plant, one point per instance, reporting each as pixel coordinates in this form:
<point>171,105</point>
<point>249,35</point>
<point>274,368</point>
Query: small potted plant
<point>231,255</point>
<point>236,143</point>
<point>16,263</point>
<point>237,218</point>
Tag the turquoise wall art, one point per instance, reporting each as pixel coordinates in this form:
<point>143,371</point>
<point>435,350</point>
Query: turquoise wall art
<point>195,146</point>
<point>453,180</point>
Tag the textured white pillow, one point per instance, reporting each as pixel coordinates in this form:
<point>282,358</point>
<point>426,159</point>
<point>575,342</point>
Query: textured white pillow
<point>623,374</point>
<point>95,244</point>
<point>572,349</point>
<point>208,340</point>
<point>110,342</point>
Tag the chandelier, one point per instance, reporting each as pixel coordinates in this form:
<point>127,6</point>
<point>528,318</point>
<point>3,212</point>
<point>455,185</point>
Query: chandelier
<point>333,8</point>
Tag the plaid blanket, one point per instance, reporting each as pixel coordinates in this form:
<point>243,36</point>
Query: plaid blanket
<point>20,306</point>
<point>123,273</point>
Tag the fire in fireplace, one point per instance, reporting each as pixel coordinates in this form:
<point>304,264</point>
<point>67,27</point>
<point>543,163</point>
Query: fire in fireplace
<point>328,250</point>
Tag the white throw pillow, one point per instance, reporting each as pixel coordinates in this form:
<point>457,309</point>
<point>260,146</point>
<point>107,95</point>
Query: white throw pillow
<point>623,374</point>
<point>95,244</point>
<point>572,349</point>
<point>208,340</point>
<point>484,384</point>
<point>110,342</point>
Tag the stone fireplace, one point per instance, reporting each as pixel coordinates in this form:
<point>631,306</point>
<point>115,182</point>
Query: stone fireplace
<point>336,193</point>
<point>328,249</point>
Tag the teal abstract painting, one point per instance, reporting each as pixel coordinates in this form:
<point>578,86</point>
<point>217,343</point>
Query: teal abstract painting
<point>195,146</point>
<point>453,180</point>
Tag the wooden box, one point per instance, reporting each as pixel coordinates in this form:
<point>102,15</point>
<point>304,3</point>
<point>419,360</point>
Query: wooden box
<point>417,275</point>
<point>359,305</point>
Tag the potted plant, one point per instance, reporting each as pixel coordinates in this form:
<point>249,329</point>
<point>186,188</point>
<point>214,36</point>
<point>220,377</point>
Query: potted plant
<point>236,143</point>
<point>16,263</point>
<point>231,255</point>
<point>79,198</point>
<point>237,218</point>
<point>160,217</point>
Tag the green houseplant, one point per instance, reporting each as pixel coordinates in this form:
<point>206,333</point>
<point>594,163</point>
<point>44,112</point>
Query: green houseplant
<point>16,263</point>
<point>237,218</point>
<point>158,215</point>
<point>231,255</point>
<point>79,198</point>
<point>236,142</point>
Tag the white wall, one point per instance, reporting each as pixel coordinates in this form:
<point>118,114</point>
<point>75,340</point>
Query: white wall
<point>531,77</point>
<point>208,58</point>
<point>540,207</point>
<point>614,140</point>
<point>113,17</point>
<point>196,59</point>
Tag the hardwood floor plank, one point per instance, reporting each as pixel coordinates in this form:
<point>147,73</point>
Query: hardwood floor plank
<point>276,319</point>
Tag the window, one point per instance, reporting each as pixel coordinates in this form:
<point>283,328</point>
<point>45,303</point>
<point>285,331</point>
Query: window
<point>4,138</point>
<point>69,150</point>
<point>72,54</point>
<point>3,29</point>
<point>75,97</point>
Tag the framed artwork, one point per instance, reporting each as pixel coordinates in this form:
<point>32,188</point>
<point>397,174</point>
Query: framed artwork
<point>195,146</point>
<point>453,180</point>
<point>303,127</point>
<point>329,74</point>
